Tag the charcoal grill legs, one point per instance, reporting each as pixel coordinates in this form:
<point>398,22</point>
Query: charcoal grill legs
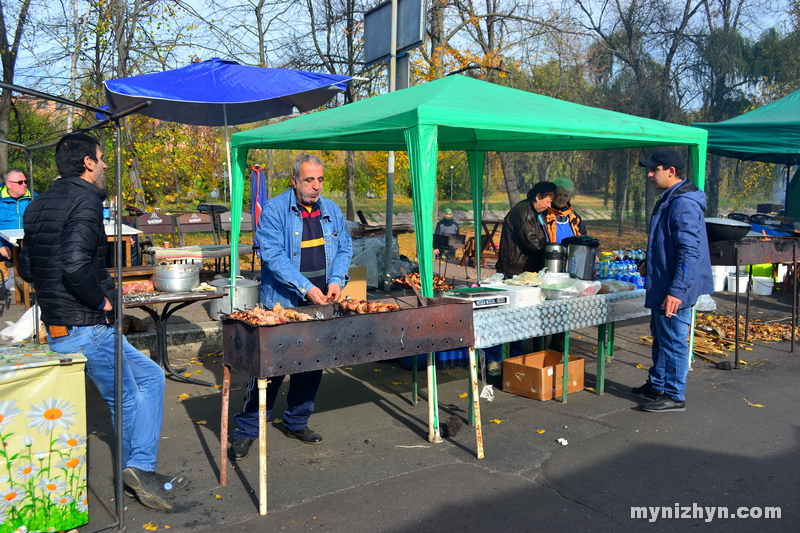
<point>223,428</point>
<point>434,434</point>
<point>476,403</point>
<point>262,446</point>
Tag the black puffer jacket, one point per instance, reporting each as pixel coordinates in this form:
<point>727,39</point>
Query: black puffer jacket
<point>64,254</point>
<point>522,241</point>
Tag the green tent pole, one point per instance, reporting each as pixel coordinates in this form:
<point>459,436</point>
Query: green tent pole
<point>423,156</point>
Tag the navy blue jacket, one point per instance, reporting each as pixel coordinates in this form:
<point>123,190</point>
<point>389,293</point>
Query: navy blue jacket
<point>678,262</point>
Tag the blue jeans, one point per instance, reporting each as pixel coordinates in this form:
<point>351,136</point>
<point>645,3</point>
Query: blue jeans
<point>302,390</point>
<point>142,388</point>
<point>670,352</point>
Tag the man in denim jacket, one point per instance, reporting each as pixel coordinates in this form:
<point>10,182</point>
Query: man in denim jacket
<point>306,254</point>
<point>678,271</point>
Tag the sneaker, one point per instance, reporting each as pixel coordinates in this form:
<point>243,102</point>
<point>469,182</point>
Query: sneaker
<point>647,391</point>
<point>306,435</point>
<point>171,483</point>
<point>664,404</point>
<point>240,448</point>
<point>494,368</point>
<point>150,488</point>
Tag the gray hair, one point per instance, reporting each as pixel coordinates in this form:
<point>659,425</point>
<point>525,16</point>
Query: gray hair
<point>305,158</point>
<point>566,184</point>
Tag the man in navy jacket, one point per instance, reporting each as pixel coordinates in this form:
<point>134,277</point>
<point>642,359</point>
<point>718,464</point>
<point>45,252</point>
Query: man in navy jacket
<point>678,271</point>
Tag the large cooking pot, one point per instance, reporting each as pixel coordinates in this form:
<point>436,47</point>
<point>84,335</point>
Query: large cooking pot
<point>726,229</point>
<point>246,295</point>
<point>176,277</point>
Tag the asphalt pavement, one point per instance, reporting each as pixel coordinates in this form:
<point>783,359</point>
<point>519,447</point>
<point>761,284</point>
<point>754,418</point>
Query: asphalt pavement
<point>735,447</point>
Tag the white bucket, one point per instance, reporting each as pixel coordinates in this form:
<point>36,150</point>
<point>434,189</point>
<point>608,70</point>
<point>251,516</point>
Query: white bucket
<point>719,282</point>
<point>719,270</point>
<point>732,283</point>
<point>763,285</point>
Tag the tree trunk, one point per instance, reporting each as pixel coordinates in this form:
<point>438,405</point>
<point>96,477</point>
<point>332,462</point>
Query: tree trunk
<point>714,183</point>
<point>351,185</point>
<point>626,180</point>
<point>512,185</point>
<point>270,177</point>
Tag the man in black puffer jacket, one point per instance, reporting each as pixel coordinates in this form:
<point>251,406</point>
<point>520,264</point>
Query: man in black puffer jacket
<point>64,257</point>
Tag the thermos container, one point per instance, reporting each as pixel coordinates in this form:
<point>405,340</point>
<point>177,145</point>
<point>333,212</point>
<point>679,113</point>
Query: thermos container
<point>554,257</point>
<point>581,251</point>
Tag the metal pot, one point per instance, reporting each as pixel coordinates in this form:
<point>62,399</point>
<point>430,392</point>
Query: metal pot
<point>176,277</point>
<point>725,229</point>
<point>246,295</point>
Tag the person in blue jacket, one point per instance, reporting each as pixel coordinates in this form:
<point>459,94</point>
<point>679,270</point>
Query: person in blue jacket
<point>305,253</point>
<point>15,197</point>
<point>677,272</point>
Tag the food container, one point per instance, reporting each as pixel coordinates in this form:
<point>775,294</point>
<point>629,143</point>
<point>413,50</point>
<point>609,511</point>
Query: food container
<point>559,289</point>
<point>178,277</point>
<point>245,295</point>
<point>725,229</point>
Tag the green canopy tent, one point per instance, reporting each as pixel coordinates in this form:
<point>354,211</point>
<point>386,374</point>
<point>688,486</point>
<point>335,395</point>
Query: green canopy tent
<point>459,113</point>
<point>770,134</point>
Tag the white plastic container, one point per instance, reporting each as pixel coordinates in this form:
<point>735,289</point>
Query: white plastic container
<point>719,270</point>
<point>719,281</point>
<point>763,285</point>
<point>519,295</point>
<point>732,283</point>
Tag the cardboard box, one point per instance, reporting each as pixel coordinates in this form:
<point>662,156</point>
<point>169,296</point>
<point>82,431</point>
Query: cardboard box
<point>540,375</point>
<point>356,288</point>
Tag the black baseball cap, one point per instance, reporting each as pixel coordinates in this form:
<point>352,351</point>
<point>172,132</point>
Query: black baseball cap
<point>666,157</point>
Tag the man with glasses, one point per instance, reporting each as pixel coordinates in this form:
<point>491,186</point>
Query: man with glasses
<point>14,199</point>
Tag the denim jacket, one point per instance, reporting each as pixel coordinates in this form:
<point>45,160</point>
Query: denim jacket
<point>280,233</point>
<point>678,262</point>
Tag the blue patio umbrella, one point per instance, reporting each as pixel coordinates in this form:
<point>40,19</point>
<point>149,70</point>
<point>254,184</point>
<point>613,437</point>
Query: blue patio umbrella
<point>220,92</point>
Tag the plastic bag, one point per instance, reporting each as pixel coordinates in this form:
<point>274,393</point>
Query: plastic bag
<point>565,289</point>
<point>611,286</point>
<point>23,328</point>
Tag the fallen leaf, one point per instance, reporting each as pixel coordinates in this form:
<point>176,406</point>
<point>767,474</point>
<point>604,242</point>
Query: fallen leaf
<point>588,388</point>
<point>580,337</point>
<point>497,420</point>
<point>397,382</point>
<point>463,395</point>
<point>187,375</point>
<point>166,527</point>
<point>183,397</point>
<point>539,431</point>
<point>376,369</point>
<point>149,527</point>
<point>348,368</point>
<point>752,404</point>
<point>640,366</point>
<point>218,496</point>
<point>197,371</point>
<point>201,423</point>
<point>748,349</point>
<point>217,386</point>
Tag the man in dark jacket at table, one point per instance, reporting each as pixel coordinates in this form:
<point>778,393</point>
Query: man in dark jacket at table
<point>524,237</point>
<point>64,257</point>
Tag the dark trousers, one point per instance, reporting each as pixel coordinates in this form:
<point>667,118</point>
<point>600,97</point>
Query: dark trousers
<point>302,391</point>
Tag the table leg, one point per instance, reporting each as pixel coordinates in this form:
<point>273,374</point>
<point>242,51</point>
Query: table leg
<point>162,357</point>
<point>262,446</point>
<point>434,434</point>
<point>223,427</point>
<point>611,329</point>
<point>565,377</point>
<point>476,406</point>
<point>475,361</point>
<point>599,386</point>
<point>414,381</point>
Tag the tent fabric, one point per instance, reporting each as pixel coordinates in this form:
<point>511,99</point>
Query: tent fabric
<point>219,92</point>
<point>770,134</point>
<point>467,114</point>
